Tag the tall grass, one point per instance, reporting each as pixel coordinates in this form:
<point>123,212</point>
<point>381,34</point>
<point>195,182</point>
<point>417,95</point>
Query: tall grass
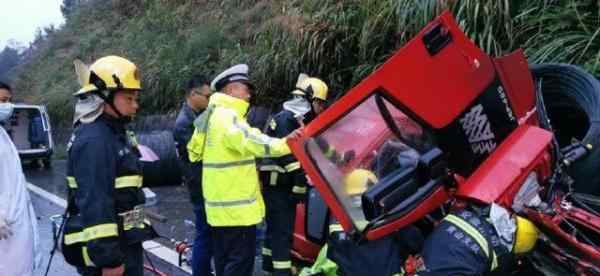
<point>344,41</point>
<point>564,31</point>
<point>339,41</point>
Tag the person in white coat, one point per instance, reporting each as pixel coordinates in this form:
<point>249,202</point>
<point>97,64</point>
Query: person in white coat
<point>19,238</point>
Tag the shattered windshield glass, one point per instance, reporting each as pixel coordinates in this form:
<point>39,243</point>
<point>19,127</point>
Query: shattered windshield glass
<point>360,149</point>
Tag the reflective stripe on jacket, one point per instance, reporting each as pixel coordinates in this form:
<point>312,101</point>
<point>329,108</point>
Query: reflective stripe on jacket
<point>105,195</point>
<point>228,146</point>
<point>285,171</point>
<point>464,243</point>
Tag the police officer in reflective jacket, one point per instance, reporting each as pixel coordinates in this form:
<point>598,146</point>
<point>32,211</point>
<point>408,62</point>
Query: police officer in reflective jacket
<point>228,147</point>
<point>282,178</point>
<point>105,226</point>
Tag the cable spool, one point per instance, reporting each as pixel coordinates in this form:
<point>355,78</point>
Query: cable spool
<point>165,171</point>
<point>571,97</point>
<point>156,132</point>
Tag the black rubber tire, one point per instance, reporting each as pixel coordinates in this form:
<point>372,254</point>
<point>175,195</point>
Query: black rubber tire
<point>572,100</point>
<point>34,164</point>
<point>165,171</point>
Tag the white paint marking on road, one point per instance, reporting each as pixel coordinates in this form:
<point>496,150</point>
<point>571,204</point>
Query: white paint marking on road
<point>150,246</point>
<point>166,254</point>
<point>47,195</point>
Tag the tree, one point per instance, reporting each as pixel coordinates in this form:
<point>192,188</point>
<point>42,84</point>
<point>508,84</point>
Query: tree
<point>9,59</point>
<point>68,6</point>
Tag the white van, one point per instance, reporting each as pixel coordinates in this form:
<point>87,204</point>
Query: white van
<point>29,128</point>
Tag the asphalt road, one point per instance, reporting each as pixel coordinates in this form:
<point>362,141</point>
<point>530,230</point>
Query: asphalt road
<point>172,203</point>
<point>44,209</point>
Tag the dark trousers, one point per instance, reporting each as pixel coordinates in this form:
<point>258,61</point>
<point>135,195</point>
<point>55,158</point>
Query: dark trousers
<point>202,250</point>
<point>233,249</point>
<point>280,217</point>
<point>134,262</point>
<point>379,257</point>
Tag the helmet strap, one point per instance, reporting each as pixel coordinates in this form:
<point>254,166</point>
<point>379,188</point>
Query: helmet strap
<point>117,82</point>
<point>108,95</point>
<point>309,116</point>
<point>111,101</point>
<point>109,98</point>
<point>308,93</point>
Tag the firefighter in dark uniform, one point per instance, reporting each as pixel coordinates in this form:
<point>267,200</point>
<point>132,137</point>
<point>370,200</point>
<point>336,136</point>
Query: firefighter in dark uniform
<point>350,254</point>
<point>105,226</point>
<point>379,257</point>
<point>472,242</point>
<point>283,181</point>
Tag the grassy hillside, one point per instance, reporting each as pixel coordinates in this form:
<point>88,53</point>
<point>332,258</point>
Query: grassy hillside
<point>340,41</point>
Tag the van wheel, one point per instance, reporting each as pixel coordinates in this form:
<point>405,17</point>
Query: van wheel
<point>47,163</point>
<point>34,164</point>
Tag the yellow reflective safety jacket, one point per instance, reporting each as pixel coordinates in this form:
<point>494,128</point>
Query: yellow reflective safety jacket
<point>228,146</point>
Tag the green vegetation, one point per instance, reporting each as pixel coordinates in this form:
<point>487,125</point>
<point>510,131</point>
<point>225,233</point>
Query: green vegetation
<point>9,59</point>
<point>340,41</point>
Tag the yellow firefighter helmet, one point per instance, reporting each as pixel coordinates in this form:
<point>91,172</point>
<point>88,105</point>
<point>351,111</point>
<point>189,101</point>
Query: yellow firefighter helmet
<point>526,236</point>
<point>358,181</point>
<point>111,73</point>
<point>313,88</point>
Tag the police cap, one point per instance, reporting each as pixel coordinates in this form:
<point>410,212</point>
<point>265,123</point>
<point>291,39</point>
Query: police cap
<point>236,73</point>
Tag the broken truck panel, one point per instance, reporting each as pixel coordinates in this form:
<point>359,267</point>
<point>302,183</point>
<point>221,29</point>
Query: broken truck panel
<point>525,150</point>
<point>439,93</point>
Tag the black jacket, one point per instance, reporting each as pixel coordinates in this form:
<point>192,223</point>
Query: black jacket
<point>104,179</point>
<point>289,174</point>
<point>469,247</point>
<point>184,129</point>
<point>380,257</point>
<point>192,172</point>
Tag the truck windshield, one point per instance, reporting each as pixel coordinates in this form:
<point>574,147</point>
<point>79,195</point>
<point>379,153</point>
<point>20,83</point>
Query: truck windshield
<point>368,143</point>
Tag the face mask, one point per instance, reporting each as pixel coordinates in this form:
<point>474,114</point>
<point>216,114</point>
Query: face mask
<point>297,105</point>
<point>6,110</point>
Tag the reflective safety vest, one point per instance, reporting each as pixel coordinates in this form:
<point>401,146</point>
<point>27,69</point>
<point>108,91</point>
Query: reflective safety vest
<point>321,266</point>
<point>105,206</point>
<point>228,146</point>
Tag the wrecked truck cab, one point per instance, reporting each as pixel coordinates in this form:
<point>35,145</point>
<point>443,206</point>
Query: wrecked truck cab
<point>372,148</point>
<point>440,98</point>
